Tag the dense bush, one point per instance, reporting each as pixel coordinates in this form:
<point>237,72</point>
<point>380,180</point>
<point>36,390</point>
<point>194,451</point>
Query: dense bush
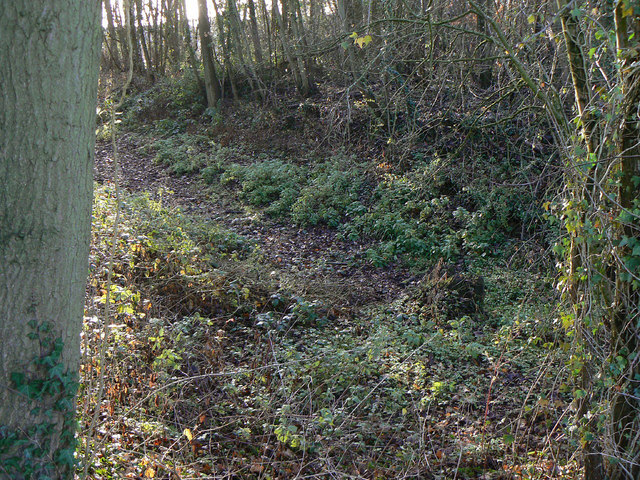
<point>183,154</point>
<point>273,184</point>
<point>434,210</point>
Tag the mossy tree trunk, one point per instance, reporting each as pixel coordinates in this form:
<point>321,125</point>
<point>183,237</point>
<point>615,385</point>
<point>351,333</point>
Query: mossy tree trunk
<point>625,322</point>
<point>49,56</point>
<point>613,155</point>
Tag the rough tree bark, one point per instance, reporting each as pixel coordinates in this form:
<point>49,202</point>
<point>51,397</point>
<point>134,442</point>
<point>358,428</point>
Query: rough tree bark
<point>211,82</point>
<point>49,56</point>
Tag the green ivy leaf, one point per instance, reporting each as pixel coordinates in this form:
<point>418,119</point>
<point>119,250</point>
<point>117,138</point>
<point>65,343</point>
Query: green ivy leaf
<point>17,378</point>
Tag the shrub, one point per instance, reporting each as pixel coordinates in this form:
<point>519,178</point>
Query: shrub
<point>327,196</point>
<point>183,154</point>
<point>273,184</point>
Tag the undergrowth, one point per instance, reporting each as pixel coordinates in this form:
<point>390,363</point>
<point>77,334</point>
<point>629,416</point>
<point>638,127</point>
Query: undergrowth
<point>435,203</point>
<point>219,368</point>
<point>431,211</point>
<point>212,371</point>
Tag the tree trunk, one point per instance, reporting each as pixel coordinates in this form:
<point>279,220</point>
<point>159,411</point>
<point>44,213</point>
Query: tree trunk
<point>173,29</point>
<point>138,62</point>
<point>295,63</point>
<point>622,443</point>
<point>625,327</point>
<point>308,61</point>
<point>190,51</point>
<point>239,40</point>
<point>254,32</point>
<point>484,74</point>
<point>112,44</point>
<point>48,102</point>
<point>223,38</point>
<point>592,457</point>
<point>143,42</point>
<point>574,39</point>
<point>211,82</point>
<point>306,87</point>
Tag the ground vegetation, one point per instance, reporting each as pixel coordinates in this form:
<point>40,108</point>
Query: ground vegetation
<point>372,239</point>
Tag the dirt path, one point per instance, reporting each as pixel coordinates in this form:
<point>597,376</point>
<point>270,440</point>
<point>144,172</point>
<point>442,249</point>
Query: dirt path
<point>314,258</point>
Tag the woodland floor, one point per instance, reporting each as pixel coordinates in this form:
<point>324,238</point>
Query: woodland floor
<point>325,367</point>
<point>314,255</point>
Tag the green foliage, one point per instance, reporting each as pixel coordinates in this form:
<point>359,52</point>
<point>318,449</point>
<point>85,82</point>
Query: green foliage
<point>170,104</point>
<point>431,211</point>
<point>273,184</point>
<point>44,449</point>
<point>183,154</point>
<point>437,211</point>
<point>261,374</point>
<point>309,194</point>
<point>348,383</point>
<point>332,188</point>
<point>200,345</point>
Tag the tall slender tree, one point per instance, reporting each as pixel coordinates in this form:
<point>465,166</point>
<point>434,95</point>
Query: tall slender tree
<point>211,82</point>
<point>112,43</point>
<point>255,36</point>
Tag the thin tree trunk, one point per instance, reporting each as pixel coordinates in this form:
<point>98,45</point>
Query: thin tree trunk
<point>211,82</point>
<point>138,62</point>
<point>593,462</point>
<point>174,29</point>
<point>243,45</point>
<point>484,77</point>
<point>186,28</point>
<point>581,87</point>
<point>152,19</point>
<point>270,28</point>
<point>143,42</point>
<point>309,61</point>
<point>625,327</point>
<point>297,33</point>
<point>228,66</point>
<point>112,44</point>
<point>293,62</point>
<point>254,32</point>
